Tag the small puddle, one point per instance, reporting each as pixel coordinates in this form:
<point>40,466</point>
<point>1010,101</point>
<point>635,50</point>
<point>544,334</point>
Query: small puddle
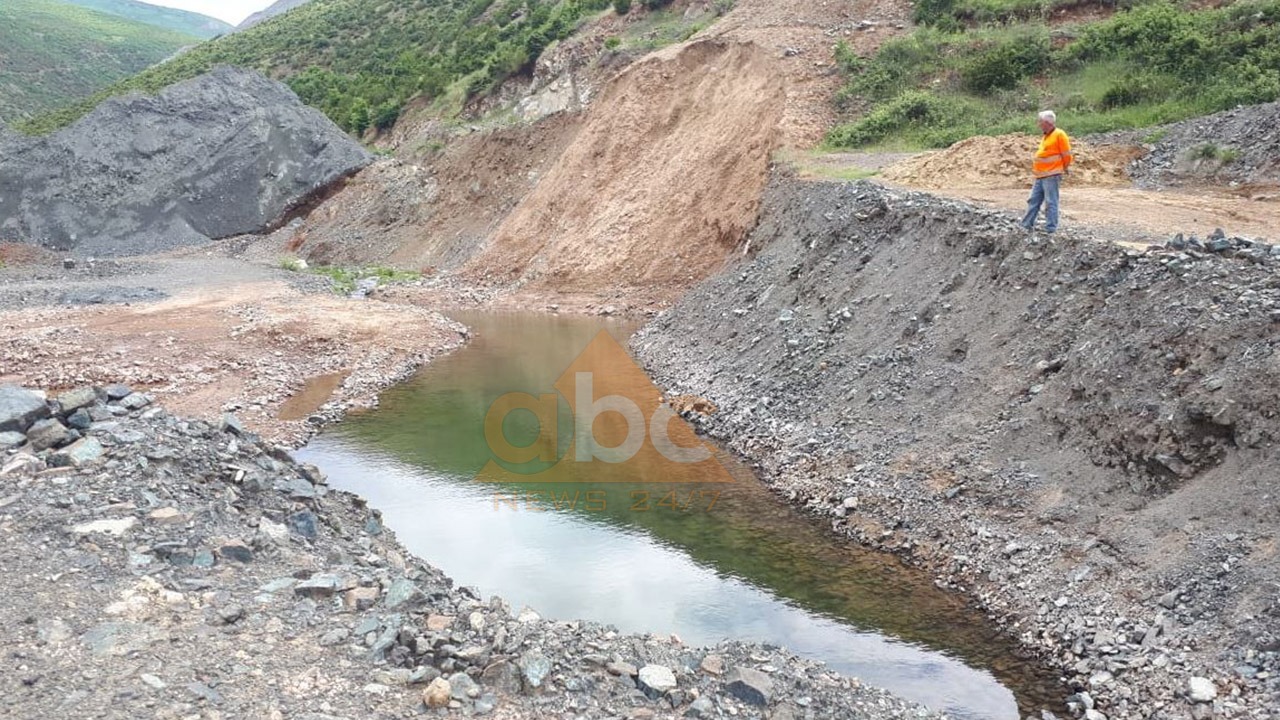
<point>314,393</point>
<point>670,554</point>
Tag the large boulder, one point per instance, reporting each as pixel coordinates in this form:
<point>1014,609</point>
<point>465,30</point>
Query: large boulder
<point>223,154</point>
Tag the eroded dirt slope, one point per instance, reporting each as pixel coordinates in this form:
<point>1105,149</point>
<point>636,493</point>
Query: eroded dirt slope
<point>662,182</point>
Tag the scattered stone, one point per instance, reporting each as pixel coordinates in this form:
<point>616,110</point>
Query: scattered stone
<point>11,439</point>
<point>534,668</point>
<point>152,681</point>
<point>700,708</point>
<point>117,391</point>
<point>48,433</point>
<point>713,665</point>
<point>404,594</point>
<point>318,586</point>
<point>135,401</point>
<point>19,408</point>
<point>76,399</point>
<point>80,420</point>
<point>621,669</point>
<point>656,680</point>
<point>237,551</point>
<point>167,516</point>
<point>462,687</point>
<point>1201,690</point>
<point>114,526</point>
<point>231,424</point>
<point>750,686</point>
<point>304,523</point>
<point>437,694</point>
<point>437,623</point>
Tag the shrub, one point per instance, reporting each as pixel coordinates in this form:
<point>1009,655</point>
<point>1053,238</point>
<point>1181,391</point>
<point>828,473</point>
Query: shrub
<point>923,114</point>
<point>386,115</point>
<point>1007,63</point>
<point>622,7</point>
<point>358,118</point>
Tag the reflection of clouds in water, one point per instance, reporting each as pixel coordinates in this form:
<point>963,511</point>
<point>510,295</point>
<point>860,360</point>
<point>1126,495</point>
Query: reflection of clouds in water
<point>568,568</point>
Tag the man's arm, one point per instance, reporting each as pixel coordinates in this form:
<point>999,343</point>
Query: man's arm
<point>1064,147</point>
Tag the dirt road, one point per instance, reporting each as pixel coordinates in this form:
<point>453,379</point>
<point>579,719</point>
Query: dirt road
<point>1101,198</point>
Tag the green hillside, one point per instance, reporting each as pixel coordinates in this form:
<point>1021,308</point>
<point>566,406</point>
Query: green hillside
<point>201,26</point>
<point>985,66</point>
<point>52,53</point>
<point>359,61</point>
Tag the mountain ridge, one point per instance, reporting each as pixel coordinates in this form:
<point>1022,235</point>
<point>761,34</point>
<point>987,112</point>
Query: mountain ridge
<point>56,52</point>
<point>183,21</point>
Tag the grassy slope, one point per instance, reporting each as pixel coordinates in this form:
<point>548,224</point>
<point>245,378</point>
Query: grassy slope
<point>52,53</point>
<point>201,26</point>
<point>359,61</point>
<point>985,67</point>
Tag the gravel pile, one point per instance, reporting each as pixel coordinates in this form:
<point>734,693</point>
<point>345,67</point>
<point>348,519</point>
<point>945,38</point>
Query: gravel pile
<point>1240,146</point>
<point>165,567</point>
<point>1080,436</point>
<point>223,154</point>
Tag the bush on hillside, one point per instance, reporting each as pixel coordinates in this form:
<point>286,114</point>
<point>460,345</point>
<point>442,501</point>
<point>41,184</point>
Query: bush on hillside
<point>1154,63</point>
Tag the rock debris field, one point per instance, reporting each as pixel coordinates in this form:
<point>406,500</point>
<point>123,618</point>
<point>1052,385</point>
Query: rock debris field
<point>176,568</point>
<point>1079,435</point>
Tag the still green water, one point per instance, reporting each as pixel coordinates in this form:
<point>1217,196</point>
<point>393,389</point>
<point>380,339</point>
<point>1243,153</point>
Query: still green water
<point>699,549</point>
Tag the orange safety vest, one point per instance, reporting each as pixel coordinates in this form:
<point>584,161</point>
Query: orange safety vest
<point>1054,155</point>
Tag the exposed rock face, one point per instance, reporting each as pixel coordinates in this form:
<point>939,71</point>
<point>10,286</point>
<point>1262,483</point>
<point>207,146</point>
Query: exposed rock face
<point>222,154</point>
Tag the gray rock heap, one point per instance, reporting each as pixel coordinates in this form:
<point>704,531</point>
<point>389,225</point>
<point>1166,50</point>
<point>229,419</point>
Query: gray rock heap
<point>223,154</point>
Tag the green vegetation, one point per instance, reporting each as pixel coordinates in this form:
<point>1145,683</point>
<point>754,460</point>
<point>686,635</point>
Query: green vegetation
<point>663,27</point>
<point>1211,153</point>
<point>293,264</point>
<point>1151,64</point>
<point>188,23</point>
<point>52,53</point>
<point>360,61</point>
<point>344,279</point>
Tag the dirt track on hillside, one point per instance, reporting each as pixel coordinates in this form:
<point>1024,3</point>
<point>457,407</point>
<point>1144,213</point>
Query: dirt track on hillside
<point>994,172</point>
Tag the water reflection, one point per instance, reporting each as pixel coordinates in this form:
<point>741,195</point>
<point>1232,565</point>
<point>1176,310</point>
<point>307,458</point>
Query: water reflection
<point>748,568</point>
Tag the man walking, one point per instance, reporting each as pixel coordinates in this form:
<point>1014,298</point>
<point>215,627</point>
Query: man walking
<point>1052,161</point>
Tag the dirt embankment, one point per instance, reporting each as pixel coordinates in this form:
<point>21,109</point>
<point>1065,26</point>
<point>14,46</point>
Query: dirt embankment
<point>639,186</point>
<point>662,182</point>
<point>1082,436</point>
<point>1003,161</point>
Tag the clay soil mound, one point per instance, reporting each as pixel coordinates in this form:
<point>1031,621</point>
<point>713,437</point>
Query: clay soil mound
<point>1004,161</point>
<point>661,183</point>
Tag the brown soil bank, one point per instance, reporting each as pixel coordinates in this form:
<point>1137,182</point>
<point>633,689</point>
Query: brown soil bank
<point>661,183</point>
<point>1081,436</point>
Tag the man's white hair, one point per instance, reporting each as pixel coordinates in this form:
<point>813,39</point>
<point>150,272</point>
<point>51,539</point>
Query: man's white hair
<point>1049,116</point>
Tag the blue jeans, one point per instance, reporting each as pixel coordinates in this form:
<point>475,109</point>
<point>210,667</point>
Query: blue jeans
<point>1045,191</point>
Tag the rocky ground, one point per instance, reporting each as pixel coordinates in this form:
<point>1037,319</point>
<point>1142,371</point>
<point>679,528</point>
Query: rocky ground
<point>1079,435</point>
<point>209,334</point>
<point>176,568</point>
